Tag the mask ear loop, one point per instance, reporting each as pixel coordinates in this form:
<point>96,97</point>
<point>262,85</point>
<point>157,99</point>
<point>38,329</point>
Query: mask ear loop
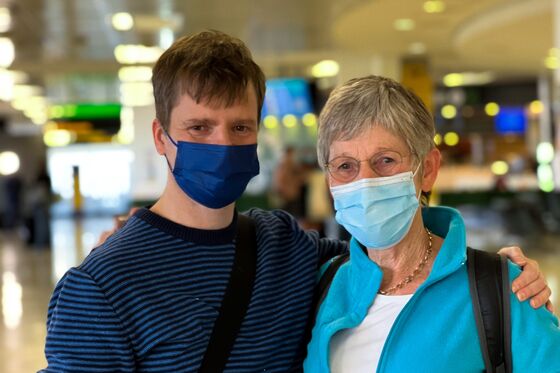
<point>173,142</point>
<point>414,175</point>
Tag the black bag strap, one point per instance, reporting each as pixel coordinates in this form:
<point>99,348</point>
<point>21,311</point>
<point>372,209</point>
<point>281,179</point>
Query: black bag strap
<point>236,298</point>
<point>325,281</point>
<point>489,287</point>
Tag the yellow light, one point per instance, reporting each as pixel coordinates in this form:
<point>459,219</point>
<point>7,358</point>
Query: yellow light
<point>449,111</point>
<point>545,152</point>
<point>309,120</point>
<point>325,69</point>
<point>131,54</point>
<point>7,84</point>
<point>270,122</point>
<point>404,24</point>
<point>552,62</point>
<point>289,121</point>
<point>451,139</point>
<point>453,80</point>
<point>5,19</point>
<point>136,94</point>
<point>122,21</point>
<point>126,132</point>
<point>437,139</point>
<point>492,109</point>
<point>434,6</point>
<point>55,138</point>
<point>499,168</point>
<point>536,107</point>
<point>135,74</point>
<point>7,52</point>
<point>26,90</point>
<point>9,163</point>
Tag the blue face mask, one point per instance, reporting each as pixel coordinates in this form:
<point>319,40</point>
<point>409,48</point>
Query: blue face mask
<point>214,175</point>
<point>377,212</point>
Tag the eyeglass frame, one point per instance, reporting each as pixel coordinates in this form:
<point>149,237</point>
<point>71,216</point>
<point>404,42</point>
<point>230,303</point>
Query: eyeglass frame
<point>369,160</point>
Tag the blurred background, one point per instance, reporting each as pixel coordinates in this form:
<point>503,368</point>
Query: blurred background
<point>76,108</point>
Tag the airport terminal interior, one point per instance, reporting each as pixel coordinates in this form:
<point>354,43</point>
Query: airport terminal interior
<point>76,109</point>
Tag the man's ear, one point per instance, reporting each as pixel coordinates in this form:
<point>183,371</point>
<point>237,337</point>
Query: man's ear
<point>159,136</point>
<point>430,169</point>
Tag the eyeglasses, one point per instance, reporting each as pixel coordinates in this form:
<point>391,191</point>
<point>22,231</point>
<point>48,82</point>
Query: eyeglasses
<point>386,163</point>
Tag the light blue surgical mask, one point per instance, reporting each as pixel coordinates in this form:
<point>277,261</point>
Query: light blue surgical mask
<point>377,212</point>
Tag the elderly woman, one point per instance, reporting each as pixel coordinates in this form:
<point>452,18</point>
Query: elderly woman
<point>401,303</point>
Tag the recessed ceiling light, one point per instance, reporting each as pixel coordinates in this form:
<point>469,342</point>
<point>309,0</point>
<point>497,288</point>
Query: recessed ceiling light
<point>5,19</point>
<point>404,24</point>
<point>434,6</point>
<point>122,21</point>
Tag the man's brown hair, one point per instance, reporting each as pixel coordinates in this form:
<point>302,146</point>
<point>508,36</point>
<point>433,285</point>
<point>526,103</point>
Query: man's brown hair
<point>209,66</point>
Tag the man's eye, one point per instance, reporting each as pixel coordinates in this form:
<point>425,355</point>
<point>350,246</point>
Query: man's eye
<point>241,128</point>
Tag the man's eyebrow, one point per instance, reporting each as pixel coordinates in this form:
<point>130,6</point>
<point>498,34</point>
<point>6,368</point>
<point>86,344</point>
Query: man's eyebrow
<point>199,121</point>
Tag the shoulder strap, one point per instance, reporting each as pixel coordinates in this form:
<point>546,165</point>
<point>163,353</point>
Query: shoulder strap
<point>489,288</point>
<point>324,283</point>
<point>236,298</point>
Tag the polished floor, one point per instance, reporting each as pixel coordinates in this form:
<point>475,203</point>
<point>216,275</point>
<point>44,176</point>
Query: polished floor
<point>29,275</point>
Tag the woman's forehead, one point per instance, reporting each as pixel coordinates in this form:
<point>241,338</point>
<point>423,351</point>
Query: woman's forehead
<point>371,140</point>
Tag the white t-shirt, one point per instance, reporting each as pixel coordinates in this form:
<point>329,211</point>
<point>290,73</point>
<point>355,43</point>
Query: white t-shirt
<point>359,349</point>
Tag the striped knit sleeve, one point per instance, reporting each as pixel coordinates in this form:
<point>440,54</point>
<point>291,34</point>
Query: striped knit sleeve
<point>83,332</point>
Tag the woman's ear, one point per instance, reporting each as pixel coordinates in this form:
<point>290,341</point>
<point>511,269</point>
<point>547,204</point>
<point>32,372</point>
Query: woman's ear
<point>430,169</point>
<point>158,134</point>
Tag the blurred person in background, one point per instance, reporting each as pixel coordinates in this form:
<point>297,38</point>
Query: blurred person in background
<point>149,297</point>
<point>401,302</point>
<point>288,184</point>
<point>13,191</point>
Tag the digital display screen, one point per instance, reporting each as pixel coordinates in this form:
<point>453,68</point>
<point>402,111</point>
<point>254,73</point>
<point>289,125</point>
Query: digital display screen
<point>511,120</point>
<point>287,96</point>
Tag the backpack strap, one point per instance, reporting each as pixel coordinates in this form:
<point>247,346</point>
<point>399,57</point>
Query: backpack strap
<point>489,289</point>
<point>236,299</point>
<point>324,283</point>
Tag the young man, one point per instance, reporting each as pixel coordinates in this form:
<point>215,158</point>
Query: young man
<point>146,300</point>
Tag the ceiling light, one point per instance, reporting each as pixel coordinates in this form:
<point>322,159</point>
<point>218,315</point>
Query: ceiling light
<point>309,120</point>
<point>545,152</point>
<point>325,69</point>
<point>451,138</point>
<point>434,6</point>
<point>135,74</point>
<point>122,21</point>
<point>131,54</point>
<point>54,138</point>
<point>270,122</point>
<point>448,111</point>
<point>9,163</point>
<point>492,109</point>
<point>404,24</point>
<point>536,107</point>
<point>467,78</point>
<point>499,168</point>
<point>7,52</point>
<point>5,19</point>
<point>289,121</point>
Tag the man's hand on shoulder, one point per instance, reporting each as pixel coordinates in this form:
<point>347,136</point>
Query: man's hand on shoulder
<point>531,283</point>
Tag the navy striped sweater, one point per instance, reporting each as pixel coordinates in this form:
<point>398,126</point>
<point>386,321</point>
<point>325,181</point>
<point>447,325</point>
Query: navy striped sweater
<point>146,300</point>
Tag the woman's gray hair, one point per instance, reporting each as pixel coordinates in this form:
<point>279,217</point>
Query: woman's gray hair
<point>371,101</point>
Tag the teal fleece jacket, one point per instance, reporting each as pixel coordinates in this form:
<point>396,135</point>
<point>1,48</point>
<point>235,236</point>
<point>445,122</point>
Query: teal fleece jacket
<point>436,330</point>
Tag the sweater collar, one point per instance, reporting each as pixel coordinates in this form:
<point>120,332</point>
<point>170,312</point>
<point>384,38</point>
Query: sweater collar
<point>199,236</point>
